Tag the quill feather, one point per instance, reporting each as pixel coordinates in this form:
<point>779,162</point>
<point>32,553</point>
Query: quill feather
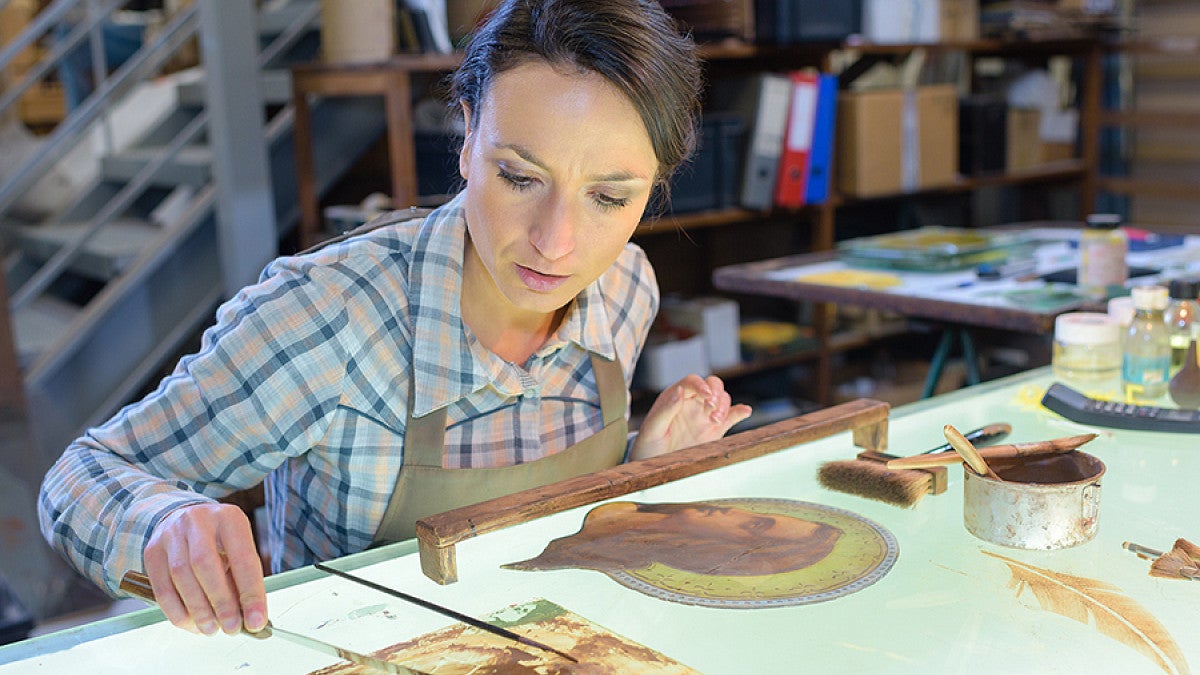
<point>1113,613</point>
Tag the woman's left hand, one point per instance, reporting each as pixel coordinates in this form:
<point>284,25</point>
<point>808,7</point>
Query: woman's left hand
<point>694,410</point>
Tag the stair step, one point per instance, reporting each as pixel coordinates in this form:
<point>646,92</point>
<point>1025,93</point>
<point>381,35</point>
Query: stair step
<point>276,89</point>
<point>190,166</point>
<point>105,255</point>
<point>40,323</point>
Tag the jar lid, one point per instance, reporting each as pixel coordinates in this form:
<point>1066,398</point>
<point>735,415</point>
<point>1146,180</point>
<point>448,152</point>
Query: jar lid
<point>1104,221</point>
<point>1184,289</point>
<point>1086,328</point>
<point>1121,309</point>
<point>1149,297</point>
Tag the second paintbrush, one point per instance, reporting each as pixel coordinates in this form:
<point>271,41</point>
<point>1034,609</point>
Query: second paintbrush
<point>1007,451</point>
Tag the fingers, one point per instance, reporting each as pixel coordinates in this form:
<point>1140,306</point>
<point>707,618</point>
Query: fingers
<point>717,400</point>
<point>156,560</point>
<point>245,570</point>
<point>205,570</point>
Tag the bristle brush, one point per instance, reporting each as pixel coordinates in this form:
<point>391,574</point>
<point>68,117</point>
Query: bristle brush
<point>868,475</point>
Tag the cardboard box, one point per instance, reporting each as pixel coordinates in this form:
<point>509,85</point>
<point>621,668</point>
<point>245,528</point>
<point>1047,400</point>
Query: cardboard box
<point>1027,149</point>
<point>715,320</point>
<point>920,21</point>
<point>1024,149</point>
<point>894,140</point>
<point>889,21</point>
<point>959,20</point>
<point>667,361</point>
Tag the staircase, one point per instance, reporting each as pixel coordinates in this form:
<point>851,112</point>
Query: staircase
<point>106,293</point>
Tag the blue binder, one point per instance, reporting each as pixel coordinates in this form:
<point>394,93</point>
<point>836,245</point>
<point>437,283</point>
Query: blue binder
<point>820,156</point>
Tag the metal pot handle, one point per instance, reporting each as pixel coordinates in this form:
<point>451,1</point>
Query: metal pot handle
<point>1091,501</point>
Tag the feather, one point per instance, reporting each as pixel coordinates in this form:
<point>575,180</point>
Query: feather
<point>1089,601</point>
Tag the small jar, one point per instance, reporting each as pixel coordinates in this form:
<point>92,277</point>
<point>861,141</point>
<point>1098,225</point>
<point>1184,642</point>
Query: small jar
<point>1087,352</point>
<point>1182,317</point>
<point>1102,251</point>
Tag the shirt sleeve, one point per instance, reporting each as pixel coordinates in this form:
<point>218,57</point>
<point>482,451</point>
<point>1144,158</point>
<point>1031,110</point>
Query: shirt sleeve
<point>260,389</point>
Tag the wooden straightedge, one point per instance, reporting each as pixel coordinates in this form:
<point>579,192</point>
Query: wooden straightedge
<point>437,534</point>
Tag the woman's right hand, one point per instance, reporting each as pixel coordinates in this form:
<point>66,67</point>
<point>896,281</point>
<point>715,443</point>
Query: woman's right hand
<point>205,570</point>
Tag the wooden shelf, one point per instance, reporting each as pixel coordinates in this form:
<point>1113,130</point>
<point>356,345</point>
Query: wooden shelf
<point>1150,118</point>
<point>734,49</point>
<point>838,342</point>
<point>1153,188</point>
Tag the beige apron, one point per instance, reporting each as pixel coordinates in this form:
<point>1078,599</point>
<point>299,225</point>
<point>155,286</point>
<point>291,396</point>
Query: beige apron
<point>424,488</point>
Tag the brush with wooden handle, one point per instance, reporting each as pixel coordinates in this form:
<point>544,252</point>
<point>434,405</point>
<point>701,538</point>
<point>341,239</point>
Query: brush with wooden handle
<point>1053,446</point>
<point>138,585</point>
<point>868,474</point>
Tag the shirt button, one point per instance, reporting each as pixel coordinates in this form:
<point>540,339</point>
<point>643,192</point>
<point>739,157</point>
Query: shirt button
<point>530,392</point>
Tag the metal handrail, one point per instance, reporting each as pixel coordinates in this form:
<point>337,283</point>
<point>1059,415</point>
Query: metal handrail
<point>60,49</point>
<point>52,267</point>
<point>203,202</point>
<point>49,17</point>
<point>144,63</point>
<point>289,35</point>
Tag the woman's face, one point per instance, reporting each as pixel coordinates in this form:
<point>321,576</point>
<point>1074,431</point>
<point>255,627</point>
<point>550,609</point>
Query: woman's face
<point>559,170</point>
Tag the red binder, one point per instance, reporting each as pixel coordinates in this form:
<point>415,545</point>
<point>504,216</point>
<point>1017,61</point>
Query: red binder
<point>792,178</point>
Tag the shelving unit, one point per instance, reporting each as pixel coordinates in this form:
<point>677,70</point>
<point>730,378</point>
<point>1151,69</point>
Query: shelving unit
<point>1081,171</point>
<point>1154,127</point>
<point>393,79</point>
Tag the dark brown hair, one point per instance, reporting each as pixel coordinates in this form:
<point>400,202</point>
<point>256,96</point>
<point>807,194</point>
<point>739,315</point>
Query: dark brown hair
<point>633,44</point>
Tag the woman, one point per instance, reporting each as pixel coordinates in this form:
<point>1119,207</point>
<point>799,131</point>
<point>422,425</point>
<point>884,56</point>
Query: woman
<point>428,363</point>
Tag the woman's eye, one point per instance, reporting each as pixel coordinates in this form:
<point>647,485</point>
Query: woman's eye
<point>516,181</point>
<point>609,202</point>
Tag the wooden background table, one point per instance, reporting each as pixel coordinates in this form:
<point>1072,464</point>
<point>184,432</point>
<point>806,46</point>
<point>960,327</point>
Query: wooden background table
<point>955,299</point>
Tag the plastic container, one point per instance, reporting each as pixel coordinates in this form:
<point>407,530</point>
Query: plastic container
<point>1102,251</point>
<point>1147,359</point>
<point>358,32</point>
<point>1087,351</point>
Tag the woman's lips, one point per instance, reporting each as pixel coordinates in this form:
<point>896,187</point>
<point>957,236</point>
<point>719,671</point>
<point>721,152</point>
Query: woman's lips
<point>538,281</point>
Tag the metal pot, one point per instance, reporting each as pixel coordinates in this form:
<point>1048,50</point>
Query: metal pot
<point>1042,503</point>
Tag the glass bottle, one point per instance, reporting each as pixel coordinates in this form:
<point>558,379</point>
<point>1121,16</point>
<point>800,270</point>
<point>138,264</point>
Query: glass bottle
<point>1102,251</point>
<point>1147,358</point>
<point>1182,317</point>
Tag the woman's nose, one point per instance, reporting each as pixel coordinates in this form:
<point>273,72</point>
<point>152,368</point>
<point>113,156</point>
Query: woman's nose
<point>553,234</point>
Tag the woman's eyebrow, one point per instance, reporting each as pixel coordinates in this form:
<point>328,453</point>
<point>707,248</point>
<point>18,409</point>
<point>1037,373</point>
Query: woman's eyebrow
<point>527,155</point>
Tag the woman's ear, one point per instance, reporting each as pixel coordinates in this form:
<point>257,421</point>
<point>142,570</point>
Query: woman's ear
<point>464,152</point>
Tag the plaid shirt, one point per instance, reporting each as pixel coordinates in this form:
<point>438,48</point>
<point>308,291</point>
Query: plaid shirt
<point>304,382</point>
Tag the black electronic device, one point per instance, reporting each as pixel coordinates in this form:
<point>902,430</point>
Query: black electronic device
<point>1078,407</point>
<point>1068,276</point>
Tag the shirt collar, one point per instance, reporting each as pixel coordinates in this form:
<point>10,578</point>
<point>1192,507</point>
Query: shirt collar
<point>444,369</point>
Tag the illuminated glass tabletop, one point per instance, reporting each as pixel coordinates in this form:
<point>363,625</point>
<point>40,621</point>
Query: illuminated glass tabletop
<point>947,605</point>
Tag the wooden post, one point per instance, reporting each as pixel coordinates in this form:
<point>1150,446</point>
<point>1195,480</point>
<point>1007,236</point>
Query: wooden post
<point>12,384</point>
